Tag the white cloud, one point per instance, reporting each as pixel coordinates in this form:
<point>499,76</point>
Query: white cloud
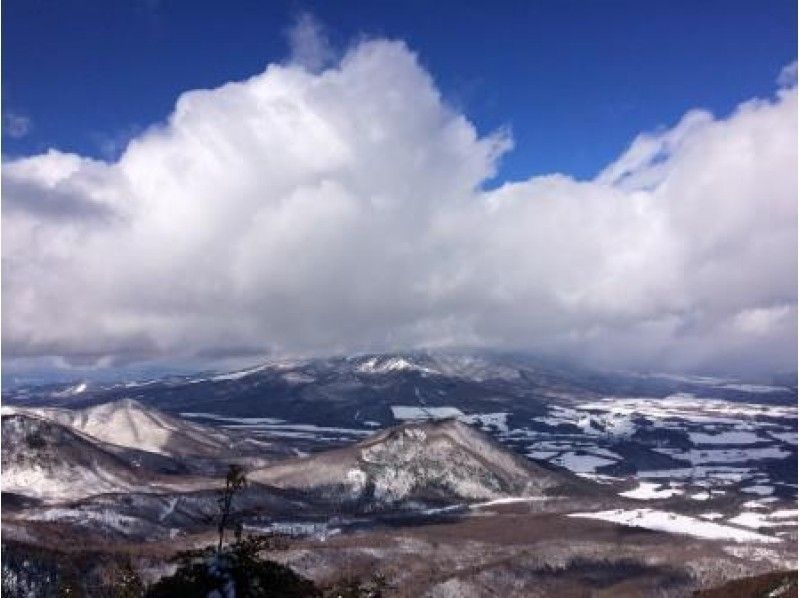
<point>310,46</point>
<point>763,320</point>
<point>788,75</point>
<point>341,210</point>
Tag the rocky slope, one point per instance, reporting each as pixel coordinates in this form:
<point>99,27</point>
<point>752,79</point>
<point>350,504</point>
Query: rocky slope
<point>128,423</point>
<point>426,462</point>
<point>47,461</point>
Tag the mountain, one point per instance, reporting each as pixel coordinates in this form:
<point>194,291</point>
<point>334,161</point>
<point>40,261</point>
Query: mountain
<point>451,474</point>
<point>47,461</point>
<point>128,423</point>
<point>347,391</point>
<point>58,454</point>
<point>688,430</point>
<point>439,462</point>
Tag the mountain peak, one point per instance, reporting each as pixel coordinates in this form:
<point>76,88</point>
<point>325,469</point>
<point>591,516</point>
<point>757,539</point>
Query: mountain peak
<point>128,423</point>
<point>439,462</point>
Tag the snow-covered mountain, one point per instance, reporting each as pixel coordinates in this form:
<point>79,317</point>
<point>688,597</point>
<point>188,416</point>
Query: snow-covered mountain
<point>507,452</point>
<point>444,461</point>
<point>128,423</point>
<point>691,430</point>
<point>59,475</point>
<point>45,460</point>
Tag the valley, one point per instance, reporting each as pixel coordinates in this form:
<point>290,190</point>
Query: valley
<point>450,474</point>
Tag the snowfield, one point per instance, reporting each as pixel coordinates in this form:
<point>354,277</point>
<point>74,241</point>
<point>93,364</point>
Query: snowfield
<point>780,518</point>
<point>689,407</point>
<point>376,365</point>
<point>674,523</point>
<point>650,491</point>
<point>412,413</point>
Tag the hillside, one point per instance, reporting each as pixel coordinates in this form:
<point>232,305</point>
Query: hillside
<point>45,460</point>
<point>432,462</point>
<point>128,423</point>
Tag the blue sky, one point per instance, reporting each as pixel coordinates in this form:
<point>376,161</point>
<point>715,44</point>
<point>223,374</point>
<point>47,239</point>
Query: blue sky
<point>575,81</point>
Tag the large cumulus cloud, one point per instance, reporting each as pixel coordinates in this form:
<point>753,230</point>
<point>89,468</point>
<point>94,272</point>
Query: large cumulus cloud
<point>343,209</point>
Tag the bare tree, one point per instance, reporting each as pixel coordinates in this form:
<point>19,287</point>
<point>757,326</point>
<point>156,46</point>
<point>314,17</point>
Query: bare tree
<point>235,480</point>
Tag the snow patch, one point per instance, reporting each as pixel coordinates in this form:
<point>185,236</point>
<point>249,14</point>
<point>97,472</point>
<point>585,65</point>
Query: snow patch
<point>581,463</point>
<point>734,437</point>
<point>787,437</point>
<point>408,412</point>
<point>677,524</point>
<point>394,364</point>
<point>650,491</point>
<point>781,518</point>
<point>759,489</point>
<point>237,375</point>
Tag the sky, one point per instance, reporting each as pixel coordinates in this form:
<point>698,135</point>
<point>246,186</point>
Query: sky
<point>575,81</point>
<point>610,181</point>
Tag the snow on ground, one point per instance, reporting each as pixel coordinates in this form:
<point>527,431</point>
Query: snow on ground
<point>316,530</point>
<point>237,375</point>
<point>650,491</point>
<point>781,518</point>
<point>412,412</point>
<point>601,452</point>
<point>236,420</point>
<point>733,455</point>
<point>559,415</point>
<point>581,463</point>
<point>787,437</point>
<point>761,490</point>
<point>488,421</point>
<point>394,364</point>
<point>699,380</point>
<point>509,500</point>
<point>600,478</point>
<point>785,513</point>
<point>578,457</point>
<point>728,437</point>
<point>472,367</point>
<point>541,455</point>
<point>754,388</point>
<point>310,428</point>
<point>72,391</point>
<point>59,481</point>
<point>677,524</point>
<point>104,518</point>
<point>718,473</point>
<point>298,378</point>
<point>720,383</point>
<point>605,424</point>
<point>169,509</point>
<point>689,407</point>
<point>759,503</point>
<point>138,383</point>
<point>278,427</point>
<point>128,423</point>
<point>618,424</point>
